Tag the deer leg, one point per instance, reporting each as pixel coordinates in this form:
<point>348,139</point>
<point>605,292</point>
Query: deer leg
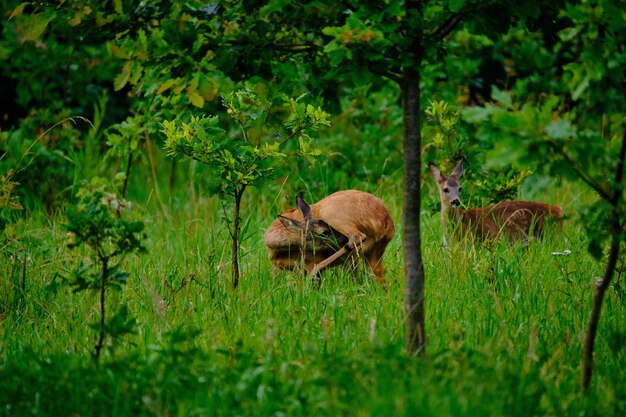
<point>354,243</point>
<point>332,258</point>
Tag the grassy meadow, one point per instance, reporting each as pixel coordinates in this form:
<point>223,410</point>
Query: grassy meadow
<point>505,325</point>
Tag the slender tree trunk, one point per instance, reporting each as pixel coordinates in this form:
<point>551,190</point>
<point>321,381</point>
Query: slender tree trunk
<point>594,319</point>
<point>235,237</point>
<point>413,265</point>
<point>105,272</point>
<point>603,285</point>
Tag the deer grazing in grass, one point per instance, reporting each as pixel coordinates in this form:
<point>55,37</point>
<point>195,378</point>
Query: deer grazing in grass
<point>345,225</point>
<point>516,220</point>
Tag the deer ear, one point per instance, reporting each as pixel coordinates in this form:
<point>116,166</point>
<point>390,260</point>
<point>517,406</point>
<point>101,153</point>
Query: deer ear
<point>291,224</point>
<point>304,208</point>
<point>458,170</point>
<point>435,174</point>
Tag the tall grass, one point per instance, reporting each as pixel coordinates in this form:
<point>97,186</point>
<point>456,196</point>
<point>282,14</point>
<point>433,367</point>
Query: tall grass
<point>504,323</point>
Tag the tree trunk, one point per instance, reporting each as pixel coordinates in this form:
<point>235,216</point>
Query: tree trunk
<point>103,284</point>
<point>235,237</point>
<point>598,297</point>
<point>413,265</point>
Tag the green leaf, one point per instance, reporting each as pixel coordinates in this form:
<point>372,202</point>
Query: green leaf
<point>166,85</point>
<point>502,97</point>
<point>456,5</point>
<point>569,34</point>
<point>18,11</point>
<point>477,114</point>
<point>580,88</point>
<point>273,6</point>
<point>117,6</point>
<point>560,129</point>
<point>208,88</point>
<point>135,73</point>
<point>36,24</point>
<point>195,98</point>
<point>122,78</point>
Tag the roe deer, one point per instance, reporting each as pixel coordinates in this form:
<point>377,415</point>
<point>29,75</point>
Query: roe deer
<point>320,235</point>
<point>513,219</point>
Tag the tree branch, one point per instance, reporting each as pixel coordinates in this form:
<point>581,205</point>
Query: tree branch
<point>289,47</point>
<point>581,174</point>
<point>387,74</point>
<point>297,47</point>
<point>448,26</point>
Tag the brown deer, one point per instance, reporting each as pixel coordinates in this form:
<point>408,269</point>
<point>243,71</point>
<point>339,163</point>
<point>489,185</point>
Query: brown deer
<point>513,219</point>
<point>347,224</point>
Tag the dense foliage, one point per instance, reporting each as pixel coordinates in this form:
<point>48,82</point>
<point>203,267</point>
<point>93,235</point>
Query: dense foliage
<point>530,95</point>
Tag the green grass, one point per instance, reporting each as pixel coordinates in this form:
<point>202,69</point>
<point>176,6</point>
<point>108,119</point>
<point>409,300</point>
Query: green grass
<point>505,326</point>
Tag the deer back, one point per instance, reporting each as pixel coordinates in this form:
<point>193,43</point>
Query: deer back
<point>514,219</point>
<point>357,215</point>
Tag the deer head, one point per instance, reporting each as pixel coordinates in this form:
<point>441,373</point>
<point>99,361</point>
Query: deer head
<point>449,186</point>
<point>310,227</point>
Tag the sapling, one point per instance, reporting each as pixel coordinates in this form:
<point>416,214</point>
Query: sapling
<point>10,245</point>
<point>99,220</point>
<point>236,158</point>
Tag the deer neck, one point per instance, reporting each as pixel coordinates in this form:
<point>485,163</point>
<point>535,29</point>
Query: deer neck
<point>449,215</point>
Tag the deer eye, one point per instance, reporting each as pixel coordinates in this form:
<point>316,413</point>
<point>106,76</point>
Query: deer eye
<point>446,190</point>
<point>460,189</point>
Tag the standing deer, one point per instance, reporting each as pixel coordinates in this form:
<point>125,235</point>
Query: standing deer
<point>513,219</point>
<point>346,224</point>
